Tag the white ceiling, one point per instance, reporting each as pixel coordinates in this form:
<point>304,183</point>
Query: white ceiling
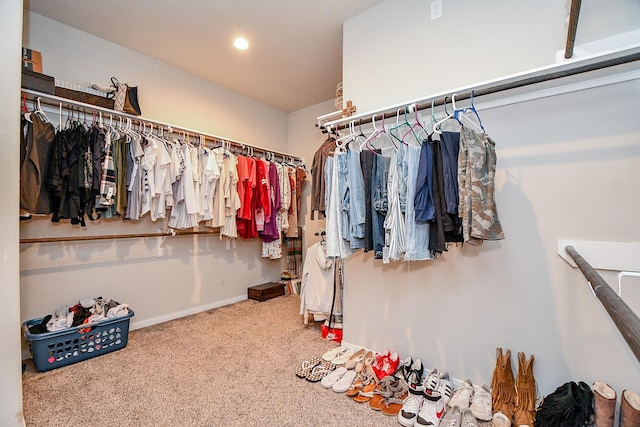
<point>295,54</point>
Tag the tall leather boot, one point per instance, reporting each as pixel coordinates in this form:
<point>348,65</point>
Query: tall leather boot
<point>630,409</point>
<point>604,398</point>
<point>526,392</point>
<point>503,385</point>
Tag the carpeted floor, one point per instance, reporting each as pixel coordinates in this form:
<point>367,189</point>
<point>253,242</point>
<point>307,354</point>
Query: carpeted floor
<point>232,366</point>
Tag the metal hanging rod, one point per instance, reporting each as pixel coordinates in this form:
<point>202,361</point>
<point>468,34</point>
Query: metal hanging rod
<point>56,101</point>
<point>624,318</point>
<point>573,28</point>
<point>541,75</point>
<point>115,236</point>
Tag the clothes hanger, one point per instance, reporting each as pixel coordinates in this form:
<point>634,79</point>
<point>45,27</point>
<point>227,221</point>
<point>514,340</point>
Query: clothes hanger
<point>424,133</point>
<point>40,113</point>
<point>378,133</point>
<point>27,114</point>
<point>413,108</point>
<point>436,126</point>
<point>472,109</point>
<point>399,125</point>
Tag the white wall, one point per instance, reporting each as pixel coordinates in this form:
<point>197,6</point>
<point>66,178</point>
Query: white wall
<point>473,41</point>
<point>195,272</point>
<point>10,373</point>
<point>568,167</point>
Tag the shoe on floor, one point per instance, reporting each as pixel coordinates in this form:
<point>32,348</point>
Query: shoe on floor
<point>452,418</point>
<point>431,383</point>
<point>305,367</point>
<point>481,403</point>
<point>344,382</point>
<point>444,390</point>
<point>353,360</point>
<point>462,395</point>
<point>330,379</point>
<point>468,420</point>
<point>333,353</point>
<point>431,412</point>
<point>415,377</point>
<point>410,408</point>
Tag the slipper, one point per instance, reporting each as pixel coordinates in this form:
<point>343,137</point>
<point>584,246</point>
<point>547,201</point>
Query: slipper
<point>333,353</point>
<point>353,360</point>
<point>303,370</point>
<point>329,380</point>
<point>320,371</point>
<point>345,382</point>
<point>342,357</point>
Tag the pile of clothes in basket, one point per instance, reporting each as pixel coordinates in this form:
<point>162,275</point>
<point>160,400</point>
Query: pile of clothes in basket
<point>88,310</point>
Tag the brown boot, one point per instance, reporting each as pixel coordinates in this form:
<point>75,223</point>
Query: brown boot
<point>526,392</point>
<point>604,398</point>
<point>503,386</point>
<point>630,409</point>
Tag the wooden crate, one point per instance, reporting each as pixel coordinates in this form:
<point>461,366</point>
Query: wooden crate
<point>265,291</point>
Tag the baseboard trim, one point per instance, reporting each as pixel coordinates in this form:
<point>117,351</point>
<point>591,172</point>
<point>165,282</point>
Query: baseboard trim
<point>184,313</point>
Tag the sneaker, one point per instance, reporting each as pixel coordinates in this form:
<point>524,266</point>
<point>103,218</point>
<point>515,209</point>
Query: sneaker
<point>467,419</point>
<point>452,418</point>
<point>415,376</point>
<point>462,396</point>
<point>481,403</point>
<point>404,370</point>
<point>431,412</point>
<point>431,382</point>
<point>410,408</point>
<point>445,388</point>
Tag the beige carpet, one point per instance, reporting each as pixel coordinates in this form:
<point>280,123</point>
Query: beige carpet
<point>232,366</point>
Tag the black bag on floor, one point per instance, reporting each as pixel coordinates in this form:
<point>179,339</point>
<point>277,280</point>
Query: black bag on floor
<point>571,405</point>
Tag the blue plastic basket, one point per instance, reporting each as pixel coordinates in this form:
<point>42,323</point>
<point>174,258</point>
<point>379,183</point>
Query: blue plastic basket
<point>61,348</point>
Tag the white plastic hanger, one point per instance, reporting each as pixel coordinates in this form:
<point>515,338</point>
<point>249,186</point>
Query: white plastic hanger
<point>38,111</point>
<point>436,126</point>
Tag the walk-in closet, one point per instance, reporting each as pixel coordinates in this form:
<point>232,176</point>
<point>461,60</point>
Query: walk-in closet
<point>378,212</point>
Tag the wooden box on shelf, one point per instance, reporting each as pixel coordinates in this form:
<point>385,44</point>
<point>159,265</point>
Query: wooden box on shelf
<point>265,291</point>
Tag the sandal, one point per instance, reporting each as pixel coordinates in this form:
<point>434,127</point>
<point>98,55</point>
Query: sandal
<point>333,353</point>
<point>368,360</point>
<point>384,389</point>
<point>369,384</point>
<point>303,370</point>
<point>393,405</point>
<point>355,359</point>
<point>341,358</point>
<point>364,377</point>
<point>320,371</point>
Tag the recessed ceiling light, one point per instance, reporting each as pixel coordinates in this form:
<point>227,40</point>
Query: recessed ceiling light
<point>241,43</point>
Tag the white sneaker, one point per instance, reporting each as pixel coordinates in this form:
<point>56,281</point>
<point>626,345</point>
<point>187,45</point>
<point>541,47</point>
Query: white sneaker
<point>452,418</point>
<point>468,420</point>
<point>410,408</point>
<point>431,382</point>
<point>481,403</point>
<point>430,413</point>
<point>462,396</point>
<point>445,388</point>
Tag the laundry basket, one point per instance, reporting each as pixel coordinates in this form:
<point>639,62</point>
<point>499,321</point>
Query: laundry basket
<point>61,348</point>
